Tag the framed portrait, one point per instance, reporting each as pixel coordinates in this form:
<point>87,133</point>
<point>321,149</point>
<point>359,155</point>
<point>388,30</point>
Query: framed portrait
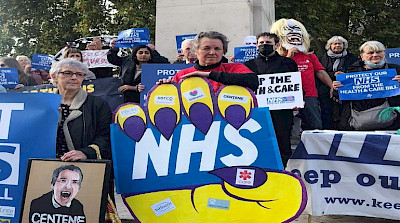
<point>57,191</point>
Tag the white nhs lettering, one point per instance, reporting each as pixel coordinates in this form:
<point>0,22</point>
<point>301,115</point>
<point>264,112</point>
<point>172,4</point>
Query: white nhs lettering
<point>148,149</point>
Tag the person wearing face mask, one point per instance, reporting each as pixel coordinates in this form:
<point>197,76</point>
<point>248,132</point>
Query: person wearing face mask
<point>372,58</point>
<point>269,62</point>
<point>335,61</point>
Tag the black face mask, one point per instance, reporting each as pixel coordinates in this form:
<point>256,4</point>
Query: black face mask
<point>265,50</point>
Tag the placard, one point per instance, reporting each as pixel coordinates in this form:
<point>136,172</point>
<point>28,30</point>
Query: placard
<point>133,37</point>
<point>42,61</point>
<point>181,38</point>
<point>246,53</point>
<point>96,58</point>
<point>8,77</point>
<point>280,91</point>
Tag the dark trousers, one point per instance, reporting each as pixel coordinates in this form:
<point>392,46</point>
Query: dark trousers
<point>283,121</point>
<point>326,104</point>
<point>311,114</point>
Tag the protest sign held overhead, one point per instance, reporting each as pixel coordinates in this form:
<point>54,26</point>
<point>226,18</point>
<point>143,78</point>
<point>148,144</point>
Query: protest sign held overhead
<point>191,176</point>
<point>246,53</point>
<point>42,61</point>
<point>9,77</point>
<point>368,85</point>
<point>96,58</point>
<point>181,38</point>
<point>133,37</point>
<point>280,91</point>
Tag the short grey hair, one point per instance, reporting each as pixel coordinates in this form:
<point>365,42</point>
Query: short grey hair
<point>22,56</point>
<point>372,46</point>
<point>334,39</point>
<point>211,35</point>
<point>185,42</point>
<point>68,62</point>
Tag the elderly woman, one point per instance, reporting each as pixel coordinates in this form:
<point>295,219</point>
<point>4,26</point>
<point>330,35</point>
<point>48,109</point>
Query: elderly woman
<point>131,69</point>
<point>84,124</point>
<point>23,78</point>
<point>209,48</point>
<point>335,61</point>
<point>372,58</point>
<point>76,54</point>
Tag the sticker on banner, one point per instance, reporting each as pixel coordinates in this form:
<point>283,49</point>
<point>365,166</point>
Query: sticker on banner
<point>129,112</point>
<point>234,98</point>
<point>281,100</point>
<point>219,204</point>
<point>163,207</point>
<point>164,100</point>
<point>194,95</point>
<point>245,177</point>
<point>6,211</point>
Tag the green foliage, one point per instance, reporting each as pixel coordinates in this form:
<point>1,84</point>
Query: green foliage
<point>356,20</point>
<point>43,26</point>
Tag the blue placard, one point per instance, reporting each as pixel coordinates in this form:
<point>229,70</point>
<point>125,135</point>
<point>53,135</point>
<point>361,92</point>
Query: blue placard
<point>42,61</point>
<point>245,53</point>
<point>368,85</point>
<point>151,73</point>
<point>8,77</point>
<point>133,37</point>
<point>181,38</point>
<point>28,130</point>
<point>393,55</point>
<point>255,141</point>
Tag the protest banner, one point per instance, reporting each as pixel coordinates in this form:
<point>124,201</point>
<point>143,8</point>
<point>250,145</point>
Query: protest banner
<point>28,129</point>
<point>174,168</point>
<point>106,88</point>
<point>79,188</point>
<point>133,37</point>
<point>368,85</point>
<point>96,58</point>
<point>349,173</point>
<point>280,91</point>
<point>393,55</point>
<point>245,53</point>
<point>42,61</point>
<point>8,77</point>
<point>151,73</point>
<point>181,38</point>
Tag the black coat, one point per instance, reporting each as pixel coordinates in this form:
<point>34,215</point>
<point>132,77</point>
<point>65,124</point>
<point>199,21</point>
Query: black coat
<point>273,64</point>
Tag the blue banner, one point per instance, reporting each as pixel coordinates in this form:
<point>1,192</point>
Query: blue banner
<point>8,77</point>
<point>189,155</point>
<point>28,129</point>
<point>393,55</point>
<point>181,38</point>
<point>133,37</point>
<point>368,85</point>
<point>245,53</point>
<point>42,61</point>
<point>151,73</point>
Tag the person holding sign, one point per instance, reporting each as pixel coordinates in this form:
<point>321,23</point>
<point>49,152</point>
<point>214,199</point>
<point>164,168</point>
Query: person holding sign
<point>269,62</point>
<point>372,58</point>
<point>131,69</point>
<point>210,48</point>
<point>187,50</point>
<point>23,78</point>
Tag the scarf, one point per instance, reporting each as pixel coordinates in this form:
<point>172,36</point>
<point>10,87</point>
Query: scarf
<point>336,56</point>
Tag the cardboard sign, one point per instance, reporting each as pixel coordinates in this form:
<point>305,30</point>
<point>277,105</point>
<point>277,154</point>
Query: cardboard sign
<point>246,53</point>
<point>151,73</point>
<point>42,61</point>
<point>349,173</point>
<point>79,188</point>
<point>181,38</point>
<point>8,77</point>
<point>280,91</point>
<point>368,85</point>
<point>28,130</point>
<point>187,169</point>
<point>133,37</point>
<point>96,58</point>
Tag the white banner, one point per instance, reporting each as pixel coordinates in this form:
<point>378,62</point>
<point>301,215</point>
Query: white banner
<point>280,91</point>
<point>349,173</point>
<point>96,58</point>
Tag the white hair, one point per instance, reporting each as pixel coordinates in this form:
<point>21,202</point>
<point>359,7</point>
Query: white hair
<point>335,39</point>
<point>22,57</point>
<point>68,62</point>
<point>185,42</point>
<point>372,46</point>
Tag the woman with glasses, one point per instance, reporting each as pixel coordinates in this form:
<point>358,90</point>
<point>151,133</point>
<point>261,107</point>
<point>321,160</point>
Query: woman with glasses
<point>76,54</point>
<point>23,78</point>
<point>83,128</point>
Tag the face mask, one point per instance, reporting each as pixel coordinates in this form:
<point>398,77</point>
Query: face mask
<point>266,49</point>
<point>373,65</point>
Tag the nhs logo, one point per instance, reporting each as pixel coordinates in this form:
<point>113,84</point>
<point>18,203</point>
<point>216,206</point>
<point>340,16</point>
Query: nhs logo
<point>9,163</point>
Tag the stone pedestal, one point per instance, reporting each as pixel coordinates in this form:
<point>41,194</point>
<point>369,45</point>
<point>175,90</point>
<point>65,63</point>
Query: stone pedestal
<point>234,18</point>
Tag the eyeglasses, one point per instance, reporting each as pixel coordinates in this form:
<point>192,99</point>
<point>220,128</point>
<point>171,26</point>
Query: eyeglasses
<point>69,74</point>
